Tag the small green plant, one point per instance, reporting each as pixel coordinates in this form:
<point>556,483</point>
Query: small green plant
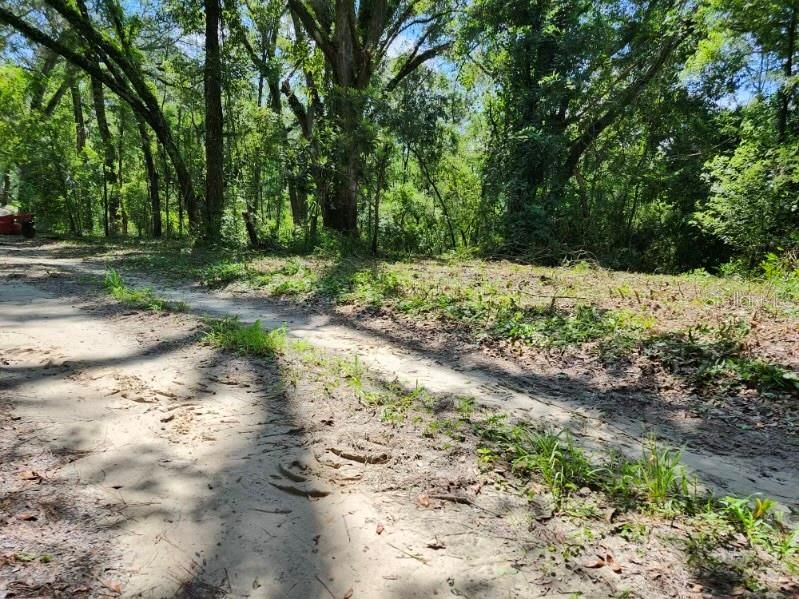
<point>250,339</point>
<point>788,547</point>
<point>142,299</point>
<point>660,475</point>
<point>749,516</point>
<point>486,456</point>
<point>563,467</point>
<point>465,407</point>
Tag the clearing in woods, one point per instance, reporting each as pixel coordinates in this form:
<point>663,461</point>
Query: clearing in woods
<point>156,453</point>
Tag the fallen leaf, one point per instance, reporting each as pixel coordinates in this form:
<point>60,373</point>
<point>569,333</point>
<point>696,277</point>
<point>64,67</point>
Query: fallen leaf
<point>595,564</point>
<point>380,528</point>
<point>423,500</point>
<point>27,517</point>
<point>613,564</point>
<point>114,587</point>
<point>29,475</point>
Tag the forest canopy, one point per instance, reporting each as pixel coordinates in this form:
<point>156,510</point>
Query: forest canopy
<point>658,135</point>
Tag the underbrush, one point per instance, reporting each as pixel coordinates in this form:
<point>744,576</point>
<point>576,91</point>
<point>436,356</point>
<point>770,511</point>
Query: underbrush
<point>717,359</point>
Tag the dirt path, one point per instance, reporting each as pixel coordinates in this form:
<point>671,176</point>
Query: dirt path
<point>194,463</point>
<point>753,465</point>
<point>136,461</point>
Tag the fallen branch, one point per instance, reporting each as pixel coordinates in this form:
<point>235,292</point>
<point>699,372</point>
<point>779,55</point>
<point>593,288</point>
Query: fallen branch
<point>380,458</point>
<point>309,493</point>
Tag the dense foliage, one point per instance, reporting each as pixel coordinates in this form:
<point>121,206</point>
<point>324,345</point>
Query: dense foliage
<point>656,134</point>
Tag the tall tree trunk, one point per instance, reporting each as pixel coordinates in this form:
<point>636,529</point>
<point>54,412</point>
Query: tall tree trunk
<point>340,211</point>
<point>786,90</point>
<point>166,193</point>
<point>84,201</point>
<point>152,178</point>
<point>214,151</point>
<point>77,112</point>
<point>113,216</point>
<point>120,170</point>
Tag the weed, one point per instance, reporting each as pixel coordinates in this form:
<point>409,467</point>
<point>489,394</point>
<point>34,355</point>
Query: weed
<point>465,407</point>
<point>251,339</point>
<point>487,456</point>
<point>224,273</point>
<point>749,516</point>
<point>659,475</point>
<point>142,299</point>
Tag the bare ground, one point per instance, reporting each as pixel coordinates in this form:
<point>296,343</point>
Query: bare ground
<point>180,470</point>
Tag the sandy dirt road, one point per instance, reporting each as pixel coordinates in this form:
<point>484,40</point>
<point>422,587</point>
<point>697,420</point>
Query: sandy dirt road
<point>183,469</point>
<point>143,463</point>
<point>747,464</point>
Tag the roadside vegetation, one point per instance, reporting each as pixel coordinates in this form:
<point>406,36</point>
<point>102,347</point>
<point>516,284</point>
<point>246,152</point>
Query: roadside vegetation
<point>715,334</point>
<point>142,299</point>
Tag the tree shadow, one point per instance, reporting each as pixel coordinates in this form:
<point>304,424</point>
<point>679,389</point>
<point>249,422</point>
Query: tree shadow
<point>195,521</point>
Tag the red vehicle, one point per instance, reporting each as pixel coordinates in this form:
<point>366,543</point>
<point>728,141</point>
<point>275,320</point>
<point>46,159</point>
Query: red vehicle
<point>17,224</point>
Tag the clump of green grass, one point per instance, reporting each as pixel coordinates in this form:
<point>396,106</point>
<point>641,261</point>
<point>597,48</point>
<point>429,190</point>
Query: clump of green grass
<point>142,299</point>
<point>249,339</point>
<point>222,274</point>
<point>658,477</point>
<point>563,467</point>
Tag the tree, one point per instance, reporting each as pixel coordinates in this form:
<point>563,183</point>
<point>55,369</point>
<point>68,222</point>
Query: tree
<point>355,38</point>
<point>119,71</point>
<point>566,71</point>
<point>214,151</point>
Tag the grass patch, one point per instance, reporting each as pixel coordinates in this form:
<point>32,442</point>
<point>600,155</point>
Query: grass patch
<point>718,357</point>
<point>249,339</point>
<point>656,483</point>
<point>142,299</point>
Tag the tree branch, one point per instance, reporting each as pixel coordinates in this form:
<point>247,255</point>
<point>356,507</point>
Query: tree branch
<point>414,62</point>
<point>79,60</point>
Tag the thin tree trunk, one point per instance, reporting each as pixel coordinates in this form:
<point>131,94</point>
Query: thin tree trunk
<point>113,217</point>
<point>787,86</point>
<point>381,175</point>
<point>5,190</point>
<point>214,151</point>
<point>434,187</point>
<point>84,202</point>
<point>152,178</point>
<point>166,195</point>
